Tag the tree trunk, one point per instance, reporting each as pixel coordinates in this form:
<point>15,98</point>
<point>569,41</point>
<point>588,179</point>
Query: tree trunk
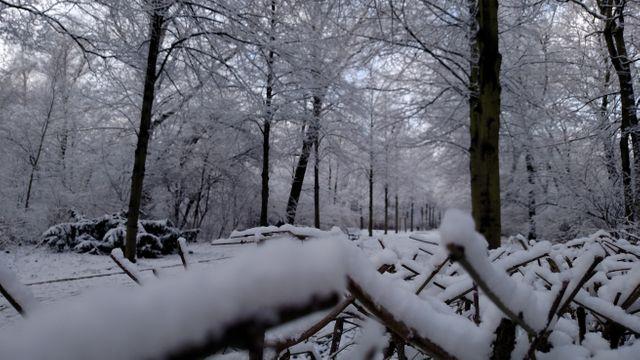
<point>303,160</point>
<point>411,217</point>
<point>316,183</point>
<point>607,138</point>
<point>266,129</point>
<point>137,176</point>
<point>484,111</point>
<point>613,34</point>
<point>35,160</point>
<point>370,199</point>
<point>531,203</point>
<point>335,185</point>
<point>386,209</point>
<point>397,222</point>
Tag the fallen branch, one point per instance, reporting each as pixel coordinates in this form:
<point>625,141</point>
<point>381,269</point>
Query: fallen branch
<point>242,333</point>
<point>397,326</point>
<point>16,293</point>
<point>127,266</point>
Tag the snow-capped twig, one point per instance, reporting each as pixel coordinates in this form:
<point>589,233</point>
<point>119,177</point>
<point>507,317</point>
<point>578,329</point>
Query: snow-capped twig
<point>242,334</point>
<point>184,253</point>
<point>517,301</point>
<point>396,325</point>
<point>16,293</point>
<point>608,311</point>
<point>313,329</point>
<point>458,254</point>
<point>544,333</point>
<point>431,276</point>
<point>127,266</point>
<point>585,266</point>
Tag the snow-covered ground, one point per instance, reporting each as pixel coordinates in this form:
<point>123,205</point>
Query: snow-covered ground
<point>54,277</point>
<point>444,291</point>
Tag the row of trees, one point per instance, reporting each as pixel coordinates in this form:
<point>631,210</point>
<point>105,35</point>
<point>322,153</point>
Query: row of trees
<point>228,105</point>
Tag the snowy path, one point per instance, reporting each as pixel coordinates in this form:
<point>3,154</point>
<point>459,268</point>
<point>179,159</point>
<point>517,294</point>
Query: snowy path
<point>47,273</point>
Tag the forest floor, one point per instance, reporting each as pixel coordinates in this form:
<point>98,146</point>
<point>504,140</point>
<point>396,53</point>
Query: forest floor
<point>55,277</point>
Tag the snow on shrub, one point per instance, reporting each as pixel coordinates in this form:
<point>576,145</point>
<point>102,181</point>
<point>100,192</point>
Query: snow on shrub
<point>103,234</point>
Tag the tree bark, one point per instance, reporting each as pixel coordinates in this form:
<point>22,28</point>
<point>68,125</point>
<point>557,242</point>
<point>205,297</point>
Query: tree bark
<point>411,217</point>
<point>316,182</point>
<point>266,128</point>
<point>613,34</point>
<point>531,203</point>
<point>303,161</point>
<point>137,176</point>
<point>370,199</point>
<point>397,222</point>
<point>607,138</point>
<point>35,160</point>
<point>386,209</point>
<point>484,111</point>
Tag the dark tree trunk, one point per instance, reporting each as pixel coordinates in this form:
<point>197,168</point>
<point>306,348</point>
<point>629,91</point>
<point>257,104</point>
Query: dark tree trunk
<point>386,209</point>
<point>316,183</point>
<point>266,129</point>
<point>613,34</point>
<point>531,204</point>
<point>607,137</point>
<point>397,222</point>
<point>303,160</point>
<point>371,199</point>
<point>137,176</point>
<point>411,217</point>
<point>35,160</point>
<point>335,185</point>
<point>484,110</point>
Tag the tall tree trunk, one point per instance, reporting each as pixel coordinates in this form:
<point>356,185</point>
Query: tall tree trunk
<point>613,34</point>
<point>370,199</point>
<point>266,128</point>
<point>607,137</point>
<point>303,161</point>
<point>35,160</point>
<point>484,111</point>
<point>397,220</point>
<point>316,182</point>
<point>411,217</point>
<point>335,184</point>
<point>137,176</point>
<point>531,203</point>
<point>386,209</point>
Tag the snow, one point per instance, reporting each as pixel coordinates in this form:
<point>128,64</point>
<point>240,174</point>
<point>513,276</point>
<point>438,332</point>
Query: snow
<point>20,293</point>
<point>458,229</point>
<point>55,277</point>
<point>371,339</point>
<point>193,305</point>
<point>454,333</point>
<point>184,253</point>
<point>331,258</point>
<point>608,310</point>
<point>130,268</point>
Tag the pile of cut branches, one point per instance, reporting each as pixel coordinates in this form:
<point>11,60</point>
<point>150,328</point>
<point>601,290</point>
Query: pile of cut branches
<point>442,296</point>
